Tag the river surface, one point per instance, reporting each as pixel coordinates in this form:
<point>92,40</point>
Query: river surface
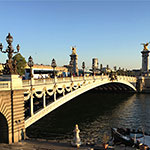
<point>95,113</point>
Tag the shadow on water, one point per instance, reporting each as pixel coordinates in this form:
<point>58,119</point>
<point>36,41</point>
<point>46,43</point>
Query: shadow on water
<point>94,112</point>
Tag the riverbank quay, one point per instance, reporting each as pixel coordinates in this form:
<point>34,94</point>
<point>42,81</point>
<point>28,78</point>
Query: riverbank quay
<point>41,144</point>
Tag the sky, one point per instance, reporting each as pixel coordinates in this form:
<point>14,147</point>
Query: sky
<point>109,30</point>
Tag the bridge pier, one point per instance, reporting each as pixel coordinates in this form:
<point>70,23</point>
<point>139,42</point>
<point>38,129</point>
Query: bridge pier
<point>143,84</point>
<point>18,122</point>
<point>12,122</point>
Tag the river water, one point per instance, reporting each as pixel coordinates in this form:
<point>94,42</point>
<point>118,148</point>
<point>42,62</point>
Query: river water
<point>95,113</point>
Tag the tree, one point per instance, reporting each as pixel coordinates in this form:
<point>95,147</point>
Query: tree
<point>21,63</point>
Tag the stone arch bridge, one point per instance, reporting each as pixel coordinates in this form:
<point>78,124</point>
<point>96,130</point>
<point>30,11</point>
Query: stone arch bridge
<point>22,103</point>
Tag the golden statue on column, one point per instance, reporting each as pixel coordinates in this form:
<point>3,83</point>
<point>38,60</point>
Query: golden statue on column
<point>145,46</point>
<point>73,50</point>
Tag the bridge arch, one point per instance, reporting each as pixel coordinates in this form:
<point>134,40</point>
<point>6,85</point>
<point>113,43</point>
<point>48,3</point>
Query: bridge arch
<point>84,87</point>
<point>3,129</point>
<point>117,86</point>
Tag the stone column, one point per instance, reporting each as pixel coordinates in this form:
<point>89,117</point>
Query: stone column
<point>18,122</point>
<point>145,67</point>
<point>140,84</point>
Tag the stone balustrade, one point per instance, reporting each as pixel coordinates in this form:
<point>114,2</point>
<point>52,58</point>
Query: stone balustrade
<point>5,85</point>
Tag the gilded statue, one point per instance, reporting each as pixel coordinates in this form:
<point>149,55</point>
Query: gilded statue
<point>73,50</point>
<point>145,46</point>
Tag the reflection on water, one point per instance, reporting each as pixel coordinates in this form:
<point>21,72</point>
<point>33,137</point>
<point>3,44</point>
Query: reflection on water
<point>95,113</point>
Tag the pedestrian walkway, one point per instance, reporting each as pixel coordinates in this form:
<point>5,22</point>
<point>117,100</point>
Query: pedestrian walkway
<point>39,144</point>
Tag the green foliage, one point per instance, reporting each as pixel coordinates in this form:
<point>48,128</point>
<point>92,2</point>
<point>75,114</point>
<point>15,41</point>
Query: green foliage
<point>21,63</point>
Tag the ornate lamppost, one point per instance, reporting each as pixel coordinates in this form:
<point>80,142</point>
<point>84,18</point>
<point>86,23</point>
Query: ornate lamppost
<point>115,72</point>
<point>10,66</point>
<point>101,68</point>
<point>30,64</point>
<point>54,65</point>
<point>83,67</point>
<point>107,70</point>
<point>115,69</point>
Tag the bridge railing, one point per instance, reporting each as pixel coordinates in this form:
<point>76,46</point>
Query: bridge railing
<point>61,80</point>
<point>78,78</point>
<point>4,85</point>
<point>127,78</point>
<point>89,78</point>
<point>51,80</point>
<point>26,83</point>
<point>43,81</point>
<point>66,79</point>
<point>102,77</point>
<point>37,82</point>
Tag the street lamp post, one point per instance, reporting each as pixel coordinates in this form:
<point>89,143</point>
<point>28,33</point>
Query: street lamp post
<point>30,64</point>
<point>54,65</point>
<point>10,66</point>
<point>83,67</point>
<point>101,68</point>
